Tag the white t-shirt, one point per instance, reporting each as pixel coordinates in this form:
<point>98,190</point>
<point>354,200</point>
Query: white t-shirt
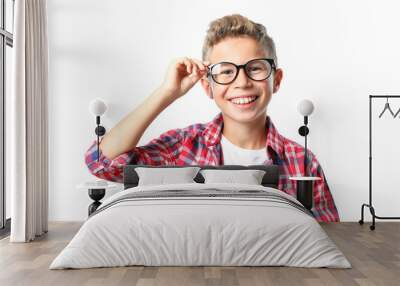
<point>234,155</point>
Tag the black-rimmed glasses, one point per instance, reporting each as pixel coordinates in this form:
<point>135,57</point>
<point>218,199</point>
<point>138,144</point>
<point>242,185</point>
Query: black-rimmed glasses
<point>226,72</point>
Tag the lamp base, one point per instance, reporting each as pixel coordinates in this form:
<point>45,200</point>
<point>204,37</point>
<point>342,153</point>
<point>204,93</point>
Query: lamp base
<point>96,195</point>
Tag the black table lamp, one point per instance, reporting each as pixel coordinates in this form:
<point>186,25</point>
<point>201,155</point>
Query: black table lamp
<point>97,107</point>
<point>304,190</point>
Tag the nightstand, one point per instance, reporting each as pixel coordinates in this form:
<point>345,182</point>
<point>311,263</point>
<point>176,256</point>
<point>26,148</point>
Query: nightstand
<point>97,190</point>
<point>304,191</point>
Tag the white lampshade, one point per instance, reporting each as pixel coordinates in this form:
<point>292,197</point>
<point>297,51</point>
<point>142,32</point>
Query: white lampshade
<point>97,107</point>
<point>305,107</point>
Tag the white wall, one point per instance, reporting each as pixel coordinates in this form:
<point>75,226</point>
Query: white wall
<point>335,53</point>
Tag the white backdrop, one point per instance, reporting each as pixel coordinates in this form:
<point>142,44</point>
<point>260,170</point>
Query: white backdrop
<point>334,53</point>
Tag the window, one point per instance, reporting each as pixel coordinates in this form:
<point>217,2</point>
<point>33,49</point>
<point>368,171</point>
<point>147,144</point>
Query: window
<point>6,44</point>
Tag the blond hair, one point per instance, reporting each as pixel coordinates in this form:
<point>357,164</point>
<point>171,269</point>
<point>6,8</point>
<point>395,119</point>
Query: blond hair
<point>237,25</point>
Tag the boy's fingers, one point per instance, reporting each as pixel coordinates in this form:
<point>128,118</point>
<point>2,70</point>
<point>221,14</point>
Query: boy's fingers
<point>189,65</point>
<point>194,67</point>
<point>199,64</point>
<point>184,63</point>
<point>199,71</point>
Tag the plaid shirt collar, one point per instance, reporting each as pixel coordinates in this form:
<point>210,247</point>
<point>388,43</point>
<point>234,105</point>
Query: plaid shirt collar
<point>212,134</point>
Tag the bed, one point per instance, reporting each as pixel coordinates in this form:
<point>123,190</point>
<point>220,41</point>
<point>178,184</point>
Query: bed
<point>201,224</point>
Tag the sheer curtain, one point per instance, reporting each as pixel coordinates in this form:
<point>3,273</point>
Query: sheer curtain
<point>28,121</point>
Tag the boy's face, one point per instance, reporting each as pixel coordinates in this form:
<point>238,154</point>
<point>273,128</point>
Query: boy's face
<point>240,50</point>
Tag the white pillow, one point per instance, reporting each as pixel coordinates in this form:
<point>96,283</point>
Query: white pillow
<point>249,177</point>
<point>162,176</point>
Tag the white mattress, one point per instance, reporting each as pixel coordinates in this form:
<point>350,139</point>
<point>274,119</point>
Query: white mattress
<point>190,230</point>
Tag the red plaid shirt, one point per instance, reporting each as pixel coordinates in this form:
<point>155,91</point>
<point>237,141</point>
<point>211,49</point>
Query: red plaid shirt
<point>199,144</point>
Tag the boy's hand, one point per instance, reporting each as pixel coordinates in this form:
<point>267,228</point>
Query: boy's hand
<point>182,75</point>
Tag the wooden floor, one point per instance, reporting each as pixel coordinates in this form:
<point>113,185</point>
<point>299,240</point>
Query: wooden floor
<point>374,255</point>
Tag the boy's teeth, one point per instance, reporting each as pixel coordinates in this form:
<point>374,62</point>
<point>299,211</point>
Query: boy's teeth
<point>243,100</point>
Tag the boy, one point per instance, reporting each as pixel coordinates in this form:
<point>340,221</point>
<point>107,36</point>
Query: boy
<point>239,71</point>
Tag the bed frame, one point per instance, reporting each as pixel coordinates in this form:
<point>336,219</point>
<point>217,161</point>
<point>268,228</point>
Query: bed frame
<point>270,179</point>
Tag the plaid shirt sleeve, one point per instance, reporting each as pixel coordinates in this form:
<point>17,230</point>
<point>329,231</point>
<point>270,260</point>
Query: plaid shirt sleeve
<point>163,150</point>
<point>324,207</point>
